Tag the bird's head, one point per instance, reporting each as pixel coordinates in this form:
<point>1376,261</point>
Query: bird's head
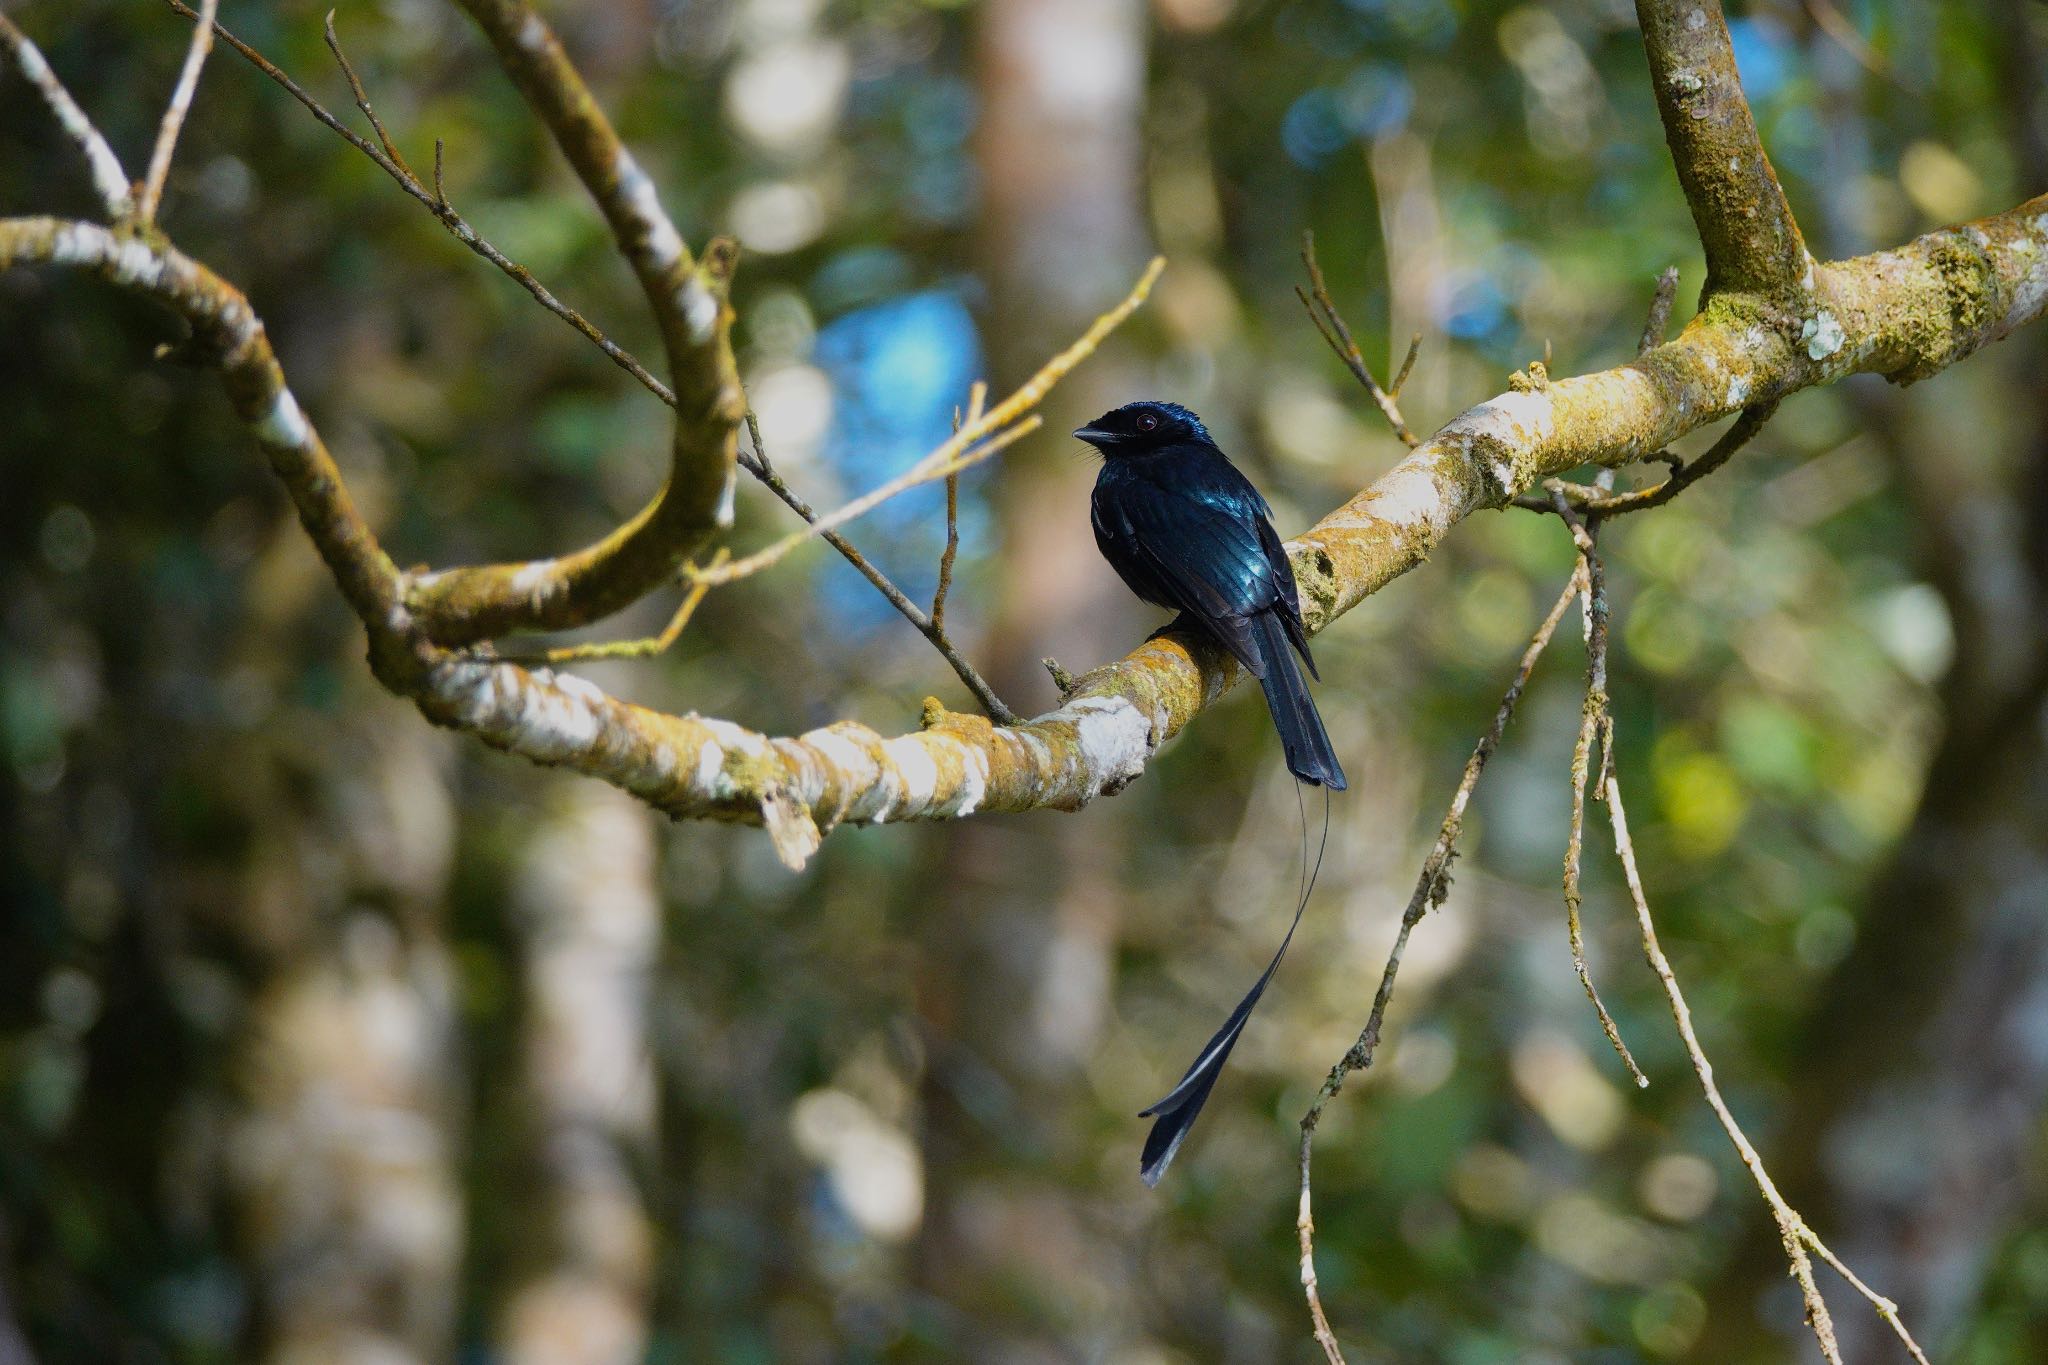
<point>1138,427</point>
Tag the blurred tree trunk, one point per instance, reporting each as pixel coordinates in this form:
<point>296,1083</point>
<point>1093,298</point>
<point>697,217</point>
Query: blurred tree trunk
<point>1912,1140</point>
<point>13,1345</point>
<point>589,918</point>
<point>338,1149</point>
<point>1018,979</point>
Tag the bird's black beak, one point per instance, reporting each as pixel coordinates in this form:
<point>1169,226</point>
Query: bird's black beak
<point>1095,436</point>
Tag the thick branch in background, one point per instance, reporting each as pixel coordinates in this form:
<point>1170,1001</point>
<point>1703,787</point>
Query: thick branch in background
<point>688,298</point>
<point>1751,241</point>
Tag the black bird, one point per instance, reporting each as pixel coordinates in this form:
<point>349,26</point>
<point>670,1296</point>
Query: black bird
<point>1184,529</point>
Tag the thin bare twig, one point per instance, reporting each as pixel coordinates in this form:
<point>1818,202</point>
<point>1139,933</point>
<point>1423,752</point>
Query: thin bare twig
<point>152,191</point>
<point>1793,1231</point>
<point>947,460</point>
<point>362,97</point>
<point>1885,1308</point>
<point>109,179</point>
<point>1322,310</point>
<point>1600,503</point>
<point>975,441</point>
<point>1790,1225</point>
<point>1596,727</point>
<point>436,202</point>
<point>646,648</point>
<point>949,554</point>
<point>1407,367</point>
<point>1430,889</point>
<point>977,396</point>
<point>895,596</point>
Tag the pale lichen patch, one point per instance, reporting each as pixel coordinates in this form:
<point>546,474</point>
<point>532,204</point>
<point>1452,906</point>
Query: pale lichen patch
<point>1822,335</point>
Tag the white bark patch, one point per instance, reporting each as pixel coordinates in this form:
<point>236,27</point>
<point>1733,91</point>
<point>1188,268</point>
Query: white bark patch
<point>966,797</point>
<point>1509,425</point>
<point>582,688</point>
<point>664,248</point>
<point>700,312</point>
<point>529,579</point>
<point>529,712</point>
<point>710,766</point>
<point>77,244</point>
<point>1738,389</point>
<point>736,738</point>
<point>920,776</point>
<point>283,424</point>
<point>1822,334</point>
<point>1112,736</point>
<point>843,754</point>
<point>725,498</point>
<point>1686,79</point>
<point>1405,495</point>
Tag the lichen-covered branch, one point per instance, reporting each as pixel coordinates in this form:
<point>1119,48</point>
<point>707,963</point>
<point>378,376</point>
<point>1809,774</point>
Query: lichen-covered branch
<point>1751,240</point>
<point>1904,313</point>
<point>688,297</point>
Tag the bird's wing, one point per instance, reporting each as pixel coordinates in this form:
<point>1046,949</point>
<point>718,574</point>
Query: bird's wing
<point>1204,555</point>
<point>1290,595</point>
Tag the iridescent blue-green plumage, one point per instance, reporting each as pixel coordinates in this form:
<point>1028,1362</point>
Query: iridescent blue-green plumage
<point>1184,529</point>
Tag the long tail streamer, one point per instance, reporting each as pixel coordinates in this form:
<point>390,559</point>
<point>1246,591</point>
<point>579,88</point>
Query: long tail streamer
<point>1176,1113</point>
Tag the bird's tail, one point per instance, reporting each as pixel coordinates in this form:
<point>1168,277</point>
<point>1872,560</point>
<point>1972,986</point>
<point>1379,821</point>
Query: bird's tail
<point>1174,1115</point>
<point>1307,744</point>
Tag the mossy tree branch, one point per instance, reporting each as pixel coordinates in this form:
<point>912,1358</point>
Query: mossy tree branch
<point>1752,242</point>
<point>688,298</point>
<point>1905,314</point>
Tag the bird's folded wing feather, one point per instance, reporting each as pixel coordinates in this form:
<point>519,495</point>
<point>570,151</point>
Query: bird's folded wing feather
<point>1208,558</point>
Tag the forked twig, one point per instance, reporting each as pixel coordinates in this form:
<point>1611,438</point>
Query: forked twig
<point>1790,1225</point>
<point>362,97</point>
<point>1430,888</point>
<point>1596,728</point>
<point>1322,311</point>
<point>949,459</point>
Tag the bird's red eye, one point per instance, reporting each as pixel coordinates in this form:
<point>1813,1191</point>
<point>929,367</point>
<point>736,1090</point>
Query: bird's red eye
<point>1148,423</point>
